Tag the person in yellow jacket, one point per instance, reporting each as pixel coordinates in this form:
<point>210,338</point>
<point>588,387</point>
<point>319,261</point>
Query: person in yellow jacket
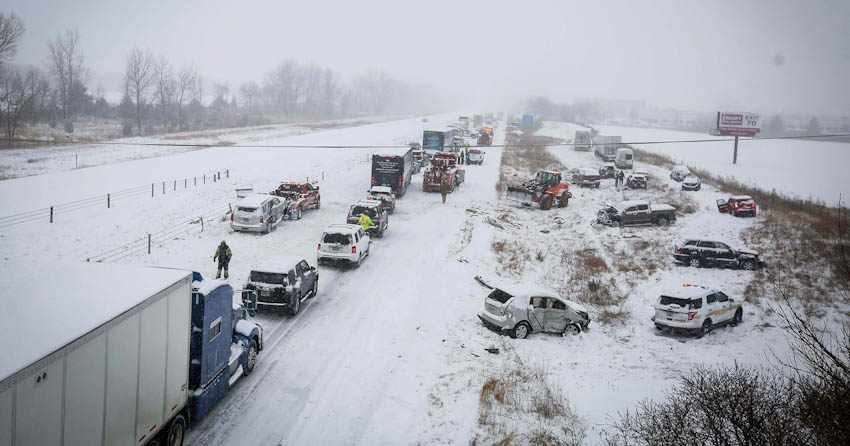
<point>365,222</point>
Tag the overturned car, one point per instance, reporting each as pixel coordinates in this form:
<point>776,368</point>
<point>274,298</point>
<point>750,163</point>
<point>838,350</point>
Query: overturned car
<point>520,310</point>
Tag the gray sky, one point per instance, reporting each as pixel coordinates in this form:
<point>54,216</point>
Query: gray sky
<point>686,54</point>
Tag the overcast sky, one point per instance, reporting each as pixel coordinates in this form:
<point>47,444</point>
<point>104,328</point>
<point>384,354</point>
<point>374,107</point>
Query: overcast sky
<point>768,56</point>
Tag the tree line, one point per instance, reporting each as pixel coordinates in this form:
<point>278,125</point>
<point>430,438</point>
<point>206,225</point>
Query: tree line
<point>160,97</point>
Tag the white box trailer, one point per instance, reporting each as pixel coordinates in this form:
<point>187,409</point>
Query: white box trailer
<point>92,354</point>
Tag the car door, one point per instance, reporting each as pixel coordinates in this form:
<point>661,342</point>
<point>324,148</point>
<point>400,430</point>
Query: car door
<point>722,206</point>
<point>308,276</point>
<point>630,216</point>
<point>537,313</point>
<point>556,315</point>
<point>726,257</point>
<point>707,253</point>
<point>711,308</point>
<point>644,214</point>
<point>724,307</point>
<point>276,210</point>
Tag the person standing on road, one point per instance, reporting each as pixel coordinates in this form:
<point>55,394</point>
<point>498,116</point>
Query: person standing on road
<point>223,254</point>
<point>365,222</point>
<point>444,185</point>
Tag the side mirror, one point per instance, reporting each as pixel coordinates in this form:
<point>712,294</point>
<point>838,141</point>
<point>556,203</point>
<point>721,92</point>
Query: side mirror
<point>530,307</point>
<point>249,301</point>
<point>313,268</point>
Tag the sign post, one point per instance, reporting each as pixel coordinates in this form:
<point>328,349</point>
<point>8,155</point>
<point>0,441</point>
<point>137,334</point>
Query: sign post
<point>736,124</point>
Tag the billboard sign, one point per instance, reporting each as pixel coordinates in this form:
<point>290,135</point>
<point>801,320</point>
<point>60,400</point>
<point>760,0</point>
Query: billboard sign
<point>737,124</point>
<point>527,119</point>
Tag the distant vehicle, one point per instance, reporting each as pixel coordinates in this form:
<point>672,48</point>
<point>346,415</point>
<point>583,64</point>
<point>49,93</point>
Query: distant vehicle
<point>424,119</point>
<point>477,121</point>
<point>420,159</point>
<point>636,181</point>
<point>624,158</point>
<point>587,177</point>
<point>383,194</point>
<point>376,212</point>
<point>605,147</point>
<point>636,212</point>
<point>393,170</point>
<point>283,282</point>
<point>485,138</point>
<point>696,309</point>
<point>138,355</point>
<point>443,164</point>
<point>700,253</point>
<point>691,183</point>
<point>258,213</point>
<point>607,170</point>
<point>437,141</point>
<point>545,189</point>
<point>738,206</point>
<point>582,141</point>
<point>346,243</point>
<point>475,156</point>
<point>464,122</point>
<point>679,172</point>
<point>301,195</point>
<point>520,310</point>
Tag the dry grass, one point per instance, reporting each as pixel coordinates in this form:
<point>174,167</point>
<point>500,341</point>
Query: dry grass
<point>519,404</point>
<point>511,255</point>
<point>521,162</point>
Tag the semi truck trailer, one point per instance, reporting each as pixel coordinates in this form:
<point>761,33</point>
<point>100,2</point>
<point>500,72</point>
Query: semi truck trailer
<point>98,354</point>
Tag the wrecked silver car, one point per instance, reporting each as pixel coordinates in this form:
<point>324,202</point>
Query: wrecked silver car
<point>521,310</point>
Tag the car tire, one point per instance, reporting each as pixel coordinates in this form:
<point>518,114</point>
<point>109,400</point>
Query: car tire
<point>707,326</point>
<point>252,358</point>
<point>298,214</point>
<point>318,203</point>
<point>739,316</point>
<point>315,290</point>
<point>615,223</point>
<point>748,265</point>
<point>694,262</point>
<point>546,202</point>
<point>296,305</point>
<point>357,263</point>
<point>572,329</point>
<point>268,227</point>
<point>176,432</point>
<point>662,221</point>
<point>521,331</point>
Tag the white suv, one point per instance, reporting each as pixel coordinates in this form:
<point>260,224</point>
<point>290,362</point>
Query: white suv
<point>695,309</point>
<point>343,243</point>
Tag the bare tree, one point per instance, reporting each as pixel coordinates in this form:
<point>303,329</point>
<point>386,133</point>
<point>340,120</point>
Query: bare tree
<point>165,86</point>
<point>18,90</point>
<point>250,93</point>
<point>11,29</point>
<point>138,78</point>
<point>185,83</point>
<point>329,92</point>
<point>65,63</point>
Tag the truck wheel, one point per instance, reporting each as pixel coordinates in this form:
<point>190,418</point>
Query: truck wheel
<point>706,328</point>
<point>315,289</point>
<point>318,203</point>
<point>662,221</point>
<point>694,262</point>
<point>748,265</point>
<point>739,316</point>
<point>252,358</point>
<point>520,331</point>
<point>615,223</point>
<point>546,202</point>
<point>177,431</point>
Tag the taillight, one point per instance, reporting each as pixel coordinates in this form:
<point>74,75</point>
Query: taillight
<point>319,248</point>
<point>399,180</point>
<point>354,250</point>
<point>691,315</point>
<point>373,180</point>
<point>261,220</point>
<point>231,217</point>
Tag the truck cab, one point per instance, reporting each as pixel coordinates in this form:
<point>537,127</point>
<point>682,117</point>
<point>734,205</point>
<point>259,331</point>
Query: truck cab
<point>223,345</point>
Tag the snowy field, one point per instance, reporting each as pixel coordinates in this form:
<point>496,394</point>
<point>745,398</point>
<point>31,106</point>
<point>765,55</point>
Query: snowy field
<point>799,168</point>
<point>393,353</point>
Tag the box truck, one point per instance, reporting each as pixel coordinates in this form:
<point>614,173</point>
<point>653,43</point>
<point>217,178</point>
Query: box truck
<point>393,168</point>
<point>582,141</point>
<point>606,147</point>
<point>98,354</point>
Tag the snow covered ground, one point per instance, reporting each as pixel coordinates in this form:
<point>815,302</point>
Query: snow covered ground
<point>392,352</point>
<point>800,168</point>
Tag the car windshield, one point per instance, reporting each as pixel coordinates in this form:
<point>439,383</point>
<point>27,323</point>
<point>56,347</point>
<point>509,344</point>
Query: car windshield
<point>499,295</point>
<point>335,237</point>
<point>680,301</point>
<point>264,277</point>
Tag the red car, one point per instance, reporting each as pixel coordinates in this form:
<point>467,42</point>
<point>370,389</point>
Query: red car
<point>303,196</point>
<point>738,205</point>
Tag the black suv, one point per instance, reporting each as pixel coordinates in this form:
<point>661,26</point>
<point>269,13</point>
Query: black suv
<point>710,253</point>
<point>283,282</point>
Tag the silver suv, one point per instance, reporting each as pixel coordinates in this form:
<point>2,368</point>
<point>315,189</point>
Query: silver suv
<point>258,213</point>
<point>521,310</point>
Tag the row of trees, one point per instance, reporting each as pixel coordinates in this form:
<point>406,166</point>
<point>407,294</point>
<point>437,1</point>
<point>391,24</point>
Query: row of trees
<point>159,97</point>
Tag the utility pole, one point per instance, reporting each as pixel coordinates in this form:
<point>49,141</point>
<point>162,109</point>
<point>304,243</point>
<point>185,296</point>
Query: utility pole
<point>735,153</point>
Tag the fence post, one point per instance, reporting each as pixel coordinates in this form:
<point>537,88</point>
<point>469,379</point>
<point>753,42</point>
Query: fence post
<point>196,180</point>
<point>308,179</point>
<point>151,190</point>
<point>185,181</point>
<point>108,204</point>
<point>214,175</point>
<point>149,243</point>
<point>227,172</point>
<point>175,185</point>
<point>205,178</point>
<point>323,175</point>
<point>51,214</point>
<point>163,188</point>
<point>202,224</point>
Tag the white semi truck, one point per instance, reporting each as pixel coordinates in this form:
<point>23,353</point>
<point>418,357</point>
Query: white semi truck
<point>606,147</point>
<point>97,354</point>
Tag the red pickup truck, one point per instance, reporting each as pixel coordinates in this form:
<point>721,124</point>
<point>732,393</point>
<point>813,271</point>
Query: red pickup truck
<point>738,205</point>
<point>302,195</point>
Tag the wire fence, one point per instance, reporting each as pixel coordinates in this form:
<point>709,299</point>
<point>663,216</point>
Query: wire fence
<point>48,214</point>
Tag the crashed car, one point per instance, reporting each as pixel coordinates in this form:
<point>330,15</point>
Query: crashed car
<point>607,170</point>
<point>695,309</point>
<point>691,182</point>
<point>636,181</point>
<point>520,310</point>
<point>679,172</point>
<point>636,212</point>
<point>385,195</point>
<point>587,177</point>
<point>738,206</point>
<point>700,253</point>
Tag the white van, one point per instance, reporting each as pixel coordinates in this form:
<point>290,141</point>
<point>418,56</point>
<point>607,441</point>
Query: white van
<point>624,159</point>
